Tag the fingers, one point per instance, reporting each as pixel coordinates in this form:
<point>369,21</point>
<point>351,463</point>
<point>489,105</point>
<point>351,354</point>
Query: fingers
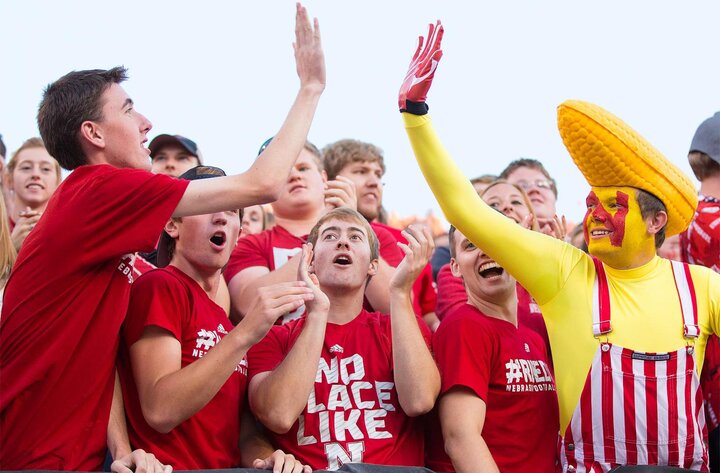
<point>340,192</point>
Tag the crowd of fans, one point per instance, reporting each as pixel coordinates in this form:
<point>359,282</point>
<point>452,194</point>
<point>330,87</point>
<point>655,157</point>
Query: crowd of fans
<point>278,319</point>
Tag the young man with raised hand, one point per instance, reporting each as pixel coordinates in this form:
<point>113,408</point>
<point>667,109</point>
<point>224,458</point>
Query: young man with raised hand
<point>621,320</point>
<point>364,165</point>
<point>59,331</point>
<point>342,384</point>
<point>273,255</point>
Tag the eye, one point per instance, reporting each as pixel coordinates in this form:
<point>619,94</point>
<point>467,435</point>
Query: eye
<point>518,203</point>
<point>469,245</point>
<point>303,168</point>
<point>356,237</point>
<point>329,236</point>
<point>160,157</point>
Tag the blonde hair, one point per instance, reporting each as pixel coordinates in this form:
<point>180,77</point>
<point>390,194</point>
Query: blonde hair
<point>7,249</point>
<point>28,144</point>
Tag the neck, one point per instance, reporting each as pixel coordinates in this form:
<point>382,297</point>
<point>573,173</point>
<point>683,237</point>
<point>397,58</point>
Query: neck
<point>23,207</point>
<point>299,224</point>
<point>345,304</point>
<point>503,307</point>
<point>710,186</point>
<point>208,280</point>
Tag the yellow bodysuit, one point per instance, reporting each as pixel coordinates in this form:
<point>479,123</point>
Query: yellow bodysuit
<point>645,306</point>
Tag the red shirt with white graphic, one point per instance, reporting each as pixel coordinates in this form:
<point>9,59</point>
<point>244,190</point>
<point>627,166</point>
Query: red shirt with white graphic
<point>423,290</point>
<point>353,413</point>
<point>508,368</point>
<point>63,307</point>
<point>452,296</point>
<point>274,247</point>
<point>169,299</point>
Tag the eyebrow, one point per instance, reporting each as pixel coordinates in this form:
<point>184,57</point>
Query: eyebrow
<point>128,103</point>
<point>337,229</point>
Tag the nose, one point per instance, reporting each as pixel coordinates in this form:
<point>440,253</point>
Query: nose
<point>219,218</point>
<point>373,181</point>
<point>145,124</point>
<point>342,243</point>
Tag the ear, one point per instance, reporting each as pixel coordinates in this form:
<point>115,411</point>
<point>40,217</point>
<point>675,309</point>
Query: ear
<point>655,223</point>
<point>92,133</point>
<point>324,175</point>
<point>172,228</point>
<point>373,268</point>
<point>455,268</point>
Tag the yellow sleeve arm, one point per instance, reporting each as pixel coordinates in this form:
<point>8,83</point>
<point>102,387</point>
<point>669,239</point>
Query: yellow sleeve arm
<point>534,259</point>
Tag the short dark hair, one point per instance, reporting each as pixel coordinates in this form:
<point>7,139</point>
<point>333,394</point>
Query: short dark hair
<point>3,149</point>
<point>451,241</point>
<point>528,163</point>
<point>703,166</point>
<point>67,103</point>
<point>649,206</point>
<point>346,214</point>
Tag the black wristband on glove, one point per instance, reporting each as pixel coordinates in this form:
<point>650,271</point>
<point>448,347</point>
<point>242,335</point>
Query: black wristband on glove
<point>415,108</point>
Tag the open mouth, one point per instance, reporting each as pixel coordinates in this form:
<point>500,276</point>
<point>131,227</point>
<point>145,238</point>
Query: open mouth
<point>600,233</point>
<point>342,260</point>
<point>218,239</point>
<point>490,270</point>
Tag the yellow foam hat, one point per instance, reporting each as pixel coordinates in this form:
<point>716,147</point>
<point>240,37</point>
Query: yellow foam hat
<point>610,153</point>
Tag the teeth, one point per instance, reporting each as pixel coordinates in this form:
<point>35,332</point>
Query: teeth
<point>489,265</point>
<point>600,232</point>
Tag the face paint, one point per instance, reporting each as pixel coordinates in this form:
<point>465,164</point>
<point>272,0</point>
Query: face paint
<point>614,228</point>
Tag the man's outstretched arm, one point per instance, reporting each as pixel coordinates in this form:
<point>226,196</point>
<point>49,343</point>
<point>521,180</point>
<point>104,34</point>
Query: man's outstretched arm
<point>512,246</point>
<point>263,180</point>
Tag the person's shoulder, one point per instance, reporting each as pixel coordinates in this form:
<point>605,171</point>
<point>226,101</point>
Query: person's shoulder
<point>465,315</point>
<point>154,278</point>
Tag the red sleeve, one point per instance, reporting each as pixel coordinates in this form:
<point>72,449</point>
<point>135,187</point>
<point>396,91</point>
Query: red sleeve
<point>269,352</point>
<point>463,350</point>
<point>450,292</point>
<point>156,299</point>
<point>389,250</point>
<point>122,210</point>
<point>250,251</point>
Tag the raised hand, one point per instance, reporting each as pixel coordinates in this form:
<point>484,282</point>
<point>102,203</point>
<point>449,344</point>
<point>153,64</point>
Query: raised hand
<point>309,56</point>
<point>320,304</point>
<point>418,251</point>
<point>418,80</point>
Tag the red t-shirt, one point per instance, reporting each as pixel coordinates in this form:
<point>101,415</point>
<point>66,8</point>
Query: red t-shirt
<point>452,296</point>
<point>353,413</point>
<point>700,243</point>
<point>509,369</point>
<point>170,299</point>
<point>423,290</point>
<point>63,307</point>
<point>274,247</point>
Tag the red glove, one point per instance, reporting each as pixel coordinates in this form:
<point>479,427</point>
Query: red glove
<point>414,89</point>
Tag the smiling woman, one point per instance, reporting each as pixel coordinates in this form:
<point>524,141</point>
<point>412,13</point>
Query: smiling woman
<point>33,177</point>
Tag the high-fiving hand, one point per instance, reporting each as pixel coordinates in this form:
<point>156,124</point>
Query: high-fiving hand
<point>418,80</point>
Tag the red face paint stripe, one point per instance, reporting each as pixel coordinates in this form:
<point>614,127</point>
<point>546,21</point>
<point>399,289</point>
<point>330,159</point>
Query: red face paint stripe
<point>618,220</point>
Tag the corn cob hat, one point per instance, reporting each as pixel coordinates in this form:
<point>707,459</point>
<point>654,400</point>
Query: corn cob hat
<point>611,154</point>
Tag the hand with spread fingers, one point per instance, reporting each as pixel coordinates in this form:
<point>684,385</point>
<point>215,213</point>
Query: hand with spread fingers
<point>419,249</point>
<point>421,72</point>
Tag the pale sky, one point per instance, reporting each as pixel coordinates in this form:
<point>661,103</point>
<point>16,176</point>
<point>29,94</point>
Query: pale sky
<point>222,73</point>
